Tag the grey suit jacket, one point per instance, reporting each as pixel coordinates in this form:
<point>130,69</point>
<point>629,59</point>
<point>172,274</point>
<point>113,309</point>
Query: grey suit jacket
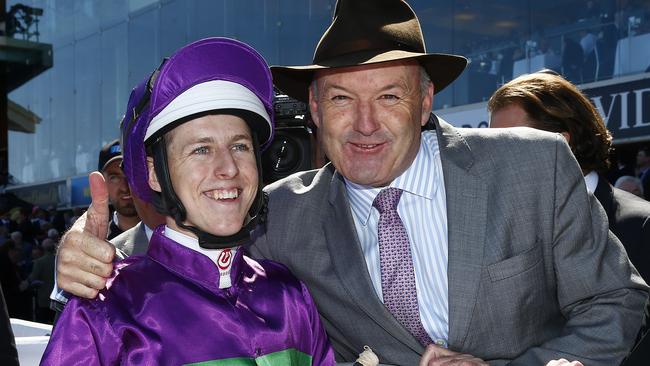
<point>533,271</point>
<point>131,242</point>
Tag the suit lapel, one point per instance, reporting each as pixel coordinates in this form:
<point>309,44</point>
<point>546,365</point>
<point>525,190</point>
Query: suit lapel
<point>466,222</point>
<point>349,263</point>
<point>140,234</point>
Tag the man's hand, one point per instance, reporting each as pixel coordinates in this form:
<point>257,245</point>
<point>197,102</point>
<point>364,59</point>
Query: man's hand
<point>438,356</point>
<point>85,258</point>
<point>563,362</point>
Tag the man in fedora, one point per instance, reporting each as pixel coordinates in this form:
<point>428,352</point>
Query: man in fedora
<point>419,234</point>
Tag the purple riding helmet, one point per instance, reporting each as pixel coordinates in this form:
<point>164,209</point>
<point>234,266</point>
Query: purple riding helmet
<point>213,75</point>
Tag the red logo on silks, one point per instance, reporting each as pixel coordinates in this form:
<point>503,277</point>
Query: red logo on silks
<point>224,259</point>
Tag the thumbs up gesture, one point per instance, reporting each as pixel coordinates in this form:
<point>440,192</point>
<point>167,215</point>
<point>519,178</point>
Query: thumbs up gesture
<point>85,258</point>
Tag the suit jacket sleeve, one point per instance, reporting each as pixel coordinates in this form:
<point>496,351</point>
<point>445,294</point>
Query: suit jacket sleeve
<point>598,291</point>
<point>645,181</point>
<point>259,247</point>
<point>131,242</point>
<point>8,353</point>
<point>322,353</point>
<point>644,249</point>
<point>36,271</point>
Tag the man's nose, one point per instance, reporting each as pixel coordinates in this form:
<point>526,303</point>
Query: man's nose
<point>124,184</point>
<point>366,121</point>
<point>225,166</point>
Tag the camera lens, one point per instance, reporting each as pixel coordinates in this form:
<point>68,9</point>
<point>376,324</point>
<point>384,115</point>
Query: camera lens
<point>283,155</point>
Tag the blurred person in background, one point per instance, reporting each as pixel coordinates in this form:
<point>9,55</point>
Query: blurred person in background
<point>547,101</point>
<point>42,280</point>
<point>630,184</point>
<point>72,216</point>
<point>125,216</point>
<point>54,235</point>
<point>24,247</point>
<point>56,219</point>
<point>16,289</point>
<point>20,221</point>
<point>4,236</point>
<point>643,164</point>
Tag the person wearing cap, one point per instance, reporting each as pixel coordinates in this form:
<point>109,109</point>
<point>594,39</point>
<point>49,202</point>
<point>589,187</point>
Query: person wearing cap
<point>424,241</point>
<point>125,216</point>
<point>192,148</point>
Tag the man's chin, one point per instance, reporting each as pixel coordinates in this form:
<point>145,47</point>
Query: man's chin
<point>364,177</point>
<point>224,230</point>
<point>127,211</point>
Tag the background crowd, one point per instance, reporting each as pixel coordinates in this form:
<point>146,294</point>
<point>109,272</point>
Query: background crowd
<point>579,42</point>
<point>28,240</point>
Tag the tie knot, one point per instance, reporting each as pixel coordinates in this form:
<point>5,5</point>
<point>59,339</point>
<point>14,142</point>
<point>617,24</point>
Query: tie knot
<point>387,199</point>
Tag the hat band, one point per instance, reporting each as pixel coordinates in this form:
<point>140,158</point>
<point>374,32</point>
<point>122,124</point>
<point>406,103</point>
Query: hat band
<point>364,47</point>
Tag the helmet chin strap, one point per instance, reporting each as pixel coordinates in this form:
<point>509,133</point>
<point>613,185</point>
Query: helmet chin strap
<point>172,205</point>
<point>209,241</point>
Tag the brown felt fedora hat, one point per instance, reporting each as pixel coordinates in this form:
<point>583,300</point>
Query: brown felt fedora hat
<point>367,32</point>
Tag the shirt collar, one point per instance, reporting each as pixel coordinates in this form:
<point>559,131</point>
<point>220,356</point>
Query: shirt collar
<point>115,219</point>
<point>591,181</point>
<point>419,179</point>
<point>147,231</point>
<point>193,243</point>
<point>183,255</point>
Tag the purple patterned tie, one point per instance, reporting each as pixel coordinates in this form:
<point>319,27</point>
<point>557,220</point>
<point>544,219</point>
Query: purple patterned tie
<point>397,274</point>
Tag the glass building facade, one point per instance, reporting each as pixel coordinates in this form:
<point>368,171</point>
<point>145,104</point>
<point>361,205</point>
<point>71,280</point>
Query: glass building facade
<point>102,48</point>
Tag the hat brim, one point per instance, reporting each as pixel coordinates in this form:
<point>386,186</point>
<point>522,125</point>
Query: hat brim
<point>442,68</point>
<point>117,157</point>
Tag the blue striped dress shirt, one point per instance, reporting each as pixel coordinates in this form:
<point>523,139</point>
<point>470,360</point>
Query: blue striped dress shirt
<point>423,210</point>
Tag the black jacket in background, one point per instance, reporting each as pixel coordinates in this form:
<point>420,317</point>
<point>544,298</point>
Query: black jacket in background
<point>8,352</point>
<point>629,220</point>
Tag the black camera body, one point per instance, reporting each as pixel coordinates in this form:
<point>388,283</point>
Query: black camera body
<point>292,148</point>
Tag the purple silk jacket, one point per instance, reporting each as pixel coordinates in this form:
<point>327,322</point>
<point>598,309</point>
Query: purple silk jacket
<point>166,308</point>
